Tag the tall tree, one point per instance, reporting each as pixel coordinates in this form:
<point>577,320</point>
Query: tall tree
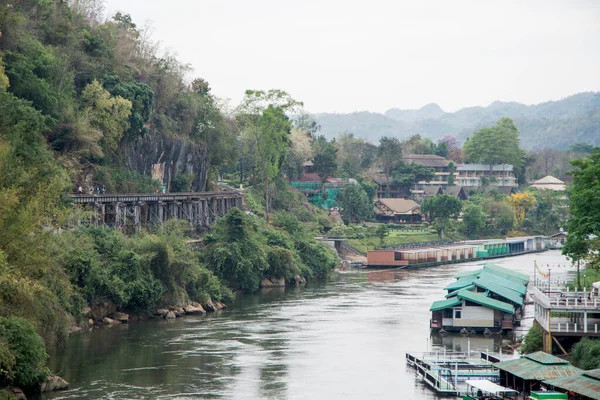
<point>354,203</point>
<point>267,128</point>
<point>325,160</point>
<point>498,144</point>
<point>584,201</point>
<point>439,209</point>
<point>389,154</point>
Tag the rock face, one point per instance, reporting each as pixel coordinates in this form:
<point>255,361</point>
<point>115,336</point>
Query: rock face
<point>194,308</point>
<point>164,157</point>
<point>297,281</point>
<point>265,283</point>
<point>102,310</point>
<point>170,315</point>
<point>18,394</point>
<point>121,317</point>
<point>54,382</point>
<point>110,321</point>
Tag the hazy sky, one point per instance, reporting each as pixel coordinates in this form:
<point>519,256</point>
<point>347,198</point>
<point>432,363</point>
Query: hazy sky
<point>347,55</point>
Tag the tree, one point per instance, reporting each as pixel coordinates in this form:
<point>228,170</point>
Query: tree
<point>545,161</point>
<point>454,149</point>
<point>108,114</point>
<point>495,145</point>
<point>325,160</point>
<point>406,175</point>
<point>267,128</point>
<point>389,153</point>
<point>440,209</point>
<point>451,170</point>
<point>473,220</point>
<point>521,203</point>
<point>354,204</point>
<point>3,78</point>
<point>585,208</point>
<point>382,231</point>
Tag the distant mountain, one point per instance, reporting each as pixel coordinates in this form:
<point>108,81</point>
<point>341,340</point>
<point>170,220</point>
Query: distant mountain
<point>556,124</point>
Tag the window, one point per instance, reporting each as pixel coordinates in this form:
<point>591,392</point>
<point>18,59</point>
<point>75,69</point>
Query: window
<point>397,256</point>
<point>457,313</point>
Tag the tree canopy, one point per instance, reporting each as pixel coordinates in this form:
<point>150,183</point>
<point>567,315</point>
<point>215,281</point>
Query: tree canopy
<point>498,144</point>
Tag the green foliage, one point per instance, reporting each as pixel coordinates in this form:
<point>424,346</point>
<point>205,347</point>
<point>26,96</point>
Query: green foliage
<point>141,97</point>
<point>242,250</point>
<point>586,354</point>
<point>325,159</point>
<point>354,203</point>
<point>26,348</point>
<point>473,220</point>
<point>182,183</point>
<point>390,149</point>
<point>533,340</point>
<point>4,83</point>
<point>496,145</point>
<point>584,208</point>
<point>405,175</point>
<point>440,209</point>
<point>117,180</point>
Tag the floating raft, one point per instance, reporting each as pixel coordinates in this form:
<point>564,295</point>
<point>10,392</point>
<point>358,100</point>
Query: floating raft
<point>447,372</point>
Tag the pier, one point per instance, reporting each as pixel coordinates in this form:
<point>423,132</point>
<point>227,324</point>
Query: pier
<point>447,372</point>
<point>134,211</point>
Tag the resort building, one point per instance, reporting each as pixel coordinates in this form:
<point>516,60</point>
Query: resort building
<point>549,183</point>
<point>471,175</point>
<point>440,168</point>
<point>397,210</point>
<point>387,188</point>
<point>488,298</point>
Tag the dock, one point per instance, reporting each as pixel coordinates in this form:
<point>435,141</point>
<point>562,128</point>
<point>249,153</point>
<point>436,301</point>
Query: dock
<point>447,372</point>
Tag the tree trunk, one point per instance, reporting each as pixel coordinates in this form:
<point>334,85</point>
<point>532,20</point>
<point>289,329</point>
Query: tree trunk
<point>267,199</point>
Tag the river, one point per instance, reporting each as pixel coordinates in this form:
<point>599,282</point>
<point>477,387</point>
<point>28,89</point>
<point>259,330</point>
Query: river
<point>345,338</point>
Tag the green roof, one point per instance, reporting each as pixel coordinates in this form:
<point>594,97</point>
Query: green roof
<point>486,301</point>
<point>443,304</point>
<point>454,293</point>
<point>475,272</point>
<point>517,287</point>
<point>500,290</point>
<point>507,273</point>
<point>460,283</point>
<point>586,384</point>
<point>538,366</point>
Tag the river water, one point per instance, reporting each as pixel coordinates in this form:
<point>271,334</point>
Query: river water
<point>345,338</point>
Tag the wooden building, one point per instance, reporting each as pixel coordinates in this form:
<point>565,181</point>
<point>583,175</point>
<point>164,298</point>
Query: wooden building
<point>397,210</point>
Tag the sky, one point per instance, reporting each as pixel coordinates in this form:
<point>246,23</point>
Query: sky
<point>373,55</point>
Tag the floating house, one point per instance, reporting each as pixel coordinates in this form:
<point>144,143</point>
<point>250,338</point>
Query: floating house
<point>488,298</point>
<point>419,255</point>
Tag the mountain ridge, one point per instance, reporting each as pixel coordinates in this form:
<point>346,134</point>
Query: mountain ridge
<point>555,123</point>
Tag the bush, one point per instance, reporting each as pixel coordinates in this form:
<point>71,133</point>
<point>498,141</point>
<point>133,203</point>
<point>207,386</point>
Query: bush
<point>586,354</point>
<point>182,183</point>
<point>533,340</point>
<point>27,350</point>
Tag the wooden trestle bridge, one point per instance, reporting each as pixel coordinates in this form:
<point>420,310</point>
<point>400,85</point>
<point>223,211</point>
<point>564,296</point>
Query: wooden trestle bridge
<point>134,211</point>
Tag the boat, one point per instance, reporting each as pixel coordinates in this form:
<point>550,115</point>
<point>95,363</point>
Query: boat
<point>482,389</point>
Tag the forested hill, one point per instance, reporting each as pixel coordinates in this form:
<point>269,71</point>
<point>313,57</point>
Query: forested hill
<point>557,124</point>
